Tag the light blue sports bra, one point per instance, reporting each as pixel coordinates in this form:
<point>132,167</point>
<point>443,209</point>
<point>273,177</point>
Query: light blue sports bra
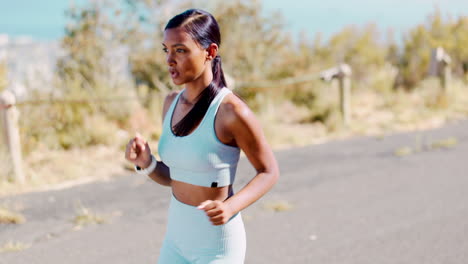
<point>199,158</point>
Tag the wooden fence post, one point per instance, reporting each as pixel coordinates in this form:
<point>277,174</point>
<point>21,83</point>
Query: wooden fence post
<point>440,66</point>
<point>446,77</point>
<point>9,115</point>
<point>341,72</point>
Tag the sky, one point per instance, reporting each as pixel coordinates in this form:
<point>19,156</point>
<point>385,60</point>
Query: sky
<point>40,19</point>
<point>45,20</point>
<point>330,16</point>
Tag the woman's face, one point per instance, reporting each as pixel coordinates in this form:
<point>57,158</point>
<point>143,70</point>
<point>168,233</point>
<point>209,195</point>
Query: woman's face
<point>185,58</point>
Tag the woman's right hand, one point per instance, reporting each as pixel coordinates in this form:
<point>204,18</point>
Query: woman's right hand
<point>138,152</point>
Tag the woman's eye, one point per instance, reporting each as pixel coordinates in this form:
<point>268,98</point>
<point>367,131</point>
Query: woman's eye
<point>165,50</point>
<point>180,50</point>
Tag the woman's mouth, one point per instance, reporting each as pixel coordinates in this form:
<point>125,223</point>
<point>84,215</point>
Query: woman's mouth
<point>174,73</point>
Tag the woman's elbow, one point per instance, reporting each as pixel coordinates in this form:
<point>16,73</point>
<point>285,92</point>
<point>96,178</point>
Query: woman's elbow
<point>274,175</point>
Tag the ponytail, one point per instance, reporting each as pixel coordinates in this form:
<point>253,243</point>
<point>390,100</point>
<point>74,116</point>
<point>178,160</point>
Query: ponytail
<point>218,74</point>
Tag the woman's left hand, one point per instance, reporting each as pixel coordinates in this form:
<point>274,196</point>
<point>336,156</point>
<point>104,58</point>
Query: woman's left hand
<point>218,211</point>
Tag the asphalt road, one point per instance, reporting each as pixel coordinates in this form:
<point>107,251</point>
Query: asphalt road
<point>351,201</point>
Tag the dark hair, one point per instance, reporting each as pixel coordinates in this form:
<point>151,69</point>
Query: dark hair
<point>204,29</point>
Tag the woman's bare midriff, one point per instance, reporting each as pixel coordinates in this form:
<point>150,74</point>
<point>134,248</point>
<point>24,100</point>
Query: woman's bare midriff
<point>194,195</point>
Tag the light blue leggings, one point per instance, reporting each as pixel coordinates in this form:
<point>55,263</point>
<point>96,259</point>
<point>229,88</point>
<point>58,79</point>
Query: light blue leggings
<point>191,238</point>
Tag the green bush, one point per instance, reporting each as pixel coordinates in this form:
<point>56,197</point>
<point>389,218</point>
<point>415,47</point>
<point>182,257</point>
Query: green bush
<point>452,35</point>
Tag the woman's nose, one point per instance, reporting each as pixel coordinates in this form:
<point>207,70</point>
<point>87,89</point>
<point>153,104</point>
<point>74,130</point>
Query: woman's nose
<point>170,59</point>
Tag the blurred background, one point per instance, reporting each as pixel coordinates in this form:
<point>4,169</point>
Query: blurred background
<point>86,75</point>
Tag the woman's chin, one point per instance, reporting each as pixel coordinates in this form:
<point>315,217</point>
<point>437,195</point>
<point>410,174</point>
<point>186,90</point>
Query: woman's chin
<point>177,82</point>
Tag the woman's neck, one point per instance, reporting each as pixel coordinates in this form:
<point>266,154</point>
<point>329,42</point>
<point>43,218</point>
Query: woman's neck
<point>194,88</point>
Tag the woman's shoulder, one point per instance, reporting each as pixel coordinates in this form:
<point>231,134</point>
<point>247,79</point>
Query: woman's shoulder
<point>168,101</point>
<point>170,98</point>
<point>233,109</point>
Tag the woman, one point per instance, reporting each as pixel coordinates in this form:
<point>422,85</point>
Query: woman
<point>205,126</point>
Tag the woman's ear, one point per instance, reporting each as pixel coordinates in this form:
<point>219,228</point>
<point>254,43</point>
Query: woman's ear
<point>212,51</point>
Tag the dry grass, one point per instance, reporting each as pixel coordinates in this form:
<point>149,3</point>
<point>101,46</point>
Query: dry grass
<point>403,151</point>
<point>444,143</point>
<point>376,114</point>
<point>85,216</point>
<point>57,169</point>
<point>278,206</point>
<point>13,246</point>
<point>421,146</point>
<point>8,216</point>
<point>373,113</point>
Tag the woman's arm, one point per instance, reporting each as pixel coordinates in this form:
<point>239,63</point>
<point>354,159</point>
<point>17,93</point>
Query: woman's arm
<point>139,152</point>
<point>240,124</point>
<point>248,135</point>
<point>161,174</point>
